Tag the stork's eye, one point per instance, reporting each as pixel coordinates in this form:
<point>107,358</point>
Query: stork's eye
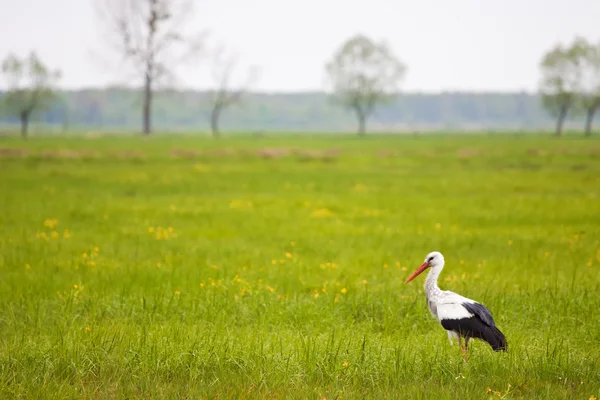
<point>430,259</point>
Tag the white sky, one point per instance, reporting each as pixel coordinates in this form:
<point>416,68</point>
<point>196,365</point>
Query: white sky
<point>446,44</point>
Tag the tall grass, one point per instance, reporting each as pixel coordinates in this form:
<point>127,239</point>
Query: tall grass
<point>270,267</point>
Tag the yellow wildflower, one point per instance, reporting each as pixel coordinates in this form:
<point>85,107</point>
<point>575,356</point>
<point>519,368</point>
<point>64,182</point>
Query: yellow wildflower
<point>50,223</point>
<point>323,212</point>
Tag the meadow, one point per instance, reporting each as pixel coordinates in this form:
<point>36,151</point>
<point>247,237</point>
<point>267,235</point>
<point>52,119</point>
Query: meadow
<point>274,267</point>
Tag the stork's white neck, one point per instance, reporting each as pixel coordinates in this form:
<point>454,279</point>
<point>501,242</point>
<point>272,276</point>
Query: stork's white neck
<point>431,286</point>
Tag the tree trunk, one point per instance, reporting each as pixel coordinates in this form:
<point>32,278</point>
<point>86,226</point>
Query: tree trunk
<point>65,120</point>
<point>214,121</point>
<point>362,123</point>
<point>561,119</point>
<point>589,118</point>
<point>65,124</point>
<point>147,103</point>
<point>24,117</point>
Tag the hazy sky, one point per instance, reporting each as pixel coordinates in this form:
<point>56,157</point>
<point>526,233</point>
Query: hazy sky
<point>447,45</point>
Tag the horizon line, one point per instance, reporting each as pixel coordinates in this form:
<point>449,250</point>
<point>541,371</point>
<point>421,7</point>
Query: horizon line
<point>294,92</point>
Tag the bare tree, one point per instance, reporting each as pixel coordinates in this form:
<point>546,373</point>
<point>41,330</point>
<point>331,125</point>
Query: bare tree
<point>561,82</point>
<point>364,74</point>
<point>223,95</point>
<point>150,35</point>
<point>30,87</point>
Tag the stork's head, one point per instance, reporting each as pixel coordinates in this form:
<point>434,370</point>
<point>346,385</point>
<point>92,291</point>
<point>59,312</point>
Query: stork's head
<point>434,260</point>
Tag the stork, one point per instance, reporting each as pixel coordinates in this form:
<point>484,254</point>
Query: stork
<point>461,317</point>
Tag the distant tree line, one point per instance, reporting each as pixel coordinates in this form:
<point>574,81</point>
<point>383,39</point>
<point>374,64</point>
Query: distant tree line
<point>364,79</point>
<point>117,108</point>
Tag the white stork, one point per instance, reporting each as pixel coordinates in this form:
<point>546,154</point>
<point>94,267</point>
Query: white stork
<point>460,316</point>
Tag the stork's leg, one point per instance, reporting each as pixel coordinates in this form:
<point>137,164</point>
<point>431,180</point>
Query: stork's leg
<point>461,345</point>
<point>465,350</point>
<point>451,337</point>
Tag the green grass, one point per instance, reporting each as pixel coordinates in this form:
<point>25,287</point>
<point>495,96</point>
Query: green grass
<point>224,274</point>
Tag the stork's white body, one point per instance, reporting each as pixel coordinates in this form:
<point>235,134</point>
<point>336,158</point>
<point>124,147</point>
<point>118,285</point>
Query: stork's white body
<point>444,304</point>
<point>460,316</point>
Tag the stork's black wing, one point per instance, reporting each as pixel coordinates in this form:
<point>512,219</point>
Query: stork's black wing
<point>481,312</point>
<point>479,325</point>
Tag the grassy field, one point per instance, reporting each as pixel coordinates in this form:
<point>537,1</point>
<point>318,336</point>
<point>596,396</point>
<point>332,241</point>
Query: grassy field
<point>273,267</point>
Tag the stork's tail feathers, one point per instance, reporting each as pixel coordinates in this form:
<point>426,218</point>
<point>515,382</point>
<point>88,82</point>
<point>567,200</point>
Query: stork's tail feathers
<point>496,339</point>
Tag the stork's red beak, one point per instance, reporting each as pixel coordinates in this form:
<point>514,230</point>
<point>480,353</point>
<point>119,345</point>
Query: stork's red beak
<point>422,268</point>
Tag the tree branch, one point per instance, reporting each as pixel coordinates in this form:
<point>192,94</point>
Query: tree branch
<point>148,33</point>
<point>222,68</point>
